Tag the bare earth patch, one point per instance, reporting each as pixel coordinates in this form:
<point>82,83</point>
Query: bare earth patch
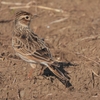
<point>71,28</point>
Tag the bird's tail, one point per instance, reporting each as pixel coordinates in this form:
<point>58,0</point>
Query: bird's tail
<point>55,68</point>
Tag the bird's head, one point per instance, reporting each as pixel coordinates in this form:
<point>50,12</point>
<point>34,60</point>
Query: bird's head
<point>23,18</point>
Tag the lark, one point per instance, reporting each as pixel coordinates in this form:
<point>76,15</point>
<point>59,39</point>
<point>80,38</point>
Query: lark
<point>32,48</point>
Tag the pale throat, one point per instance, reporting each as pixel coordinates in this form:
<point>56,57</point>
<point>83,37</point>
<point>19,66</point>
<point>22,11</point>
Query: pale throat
<point>22,24</point>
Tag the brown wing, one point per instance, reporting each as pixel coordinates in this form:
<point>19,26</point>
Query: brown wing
<point>30,45</point>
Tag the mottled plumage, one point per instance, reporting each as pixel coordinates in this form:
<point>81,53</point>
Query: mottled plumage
<point>30,47</point>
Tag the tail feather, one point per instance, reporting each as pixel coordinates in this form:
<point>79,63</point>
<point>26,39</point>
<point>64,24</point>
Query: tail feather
<point>59,74</point>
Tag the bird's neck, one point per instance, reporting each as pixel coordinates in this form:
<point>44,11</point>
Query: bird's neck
<point>19,29</point>
<point>21,25</point>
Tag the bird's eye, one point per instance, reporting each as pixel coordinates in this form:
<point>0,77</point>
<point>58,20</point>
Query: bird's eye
<point>27,18</point>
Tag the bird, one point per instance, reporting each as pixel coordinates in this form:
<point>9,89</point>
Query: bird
<point>31,48</point>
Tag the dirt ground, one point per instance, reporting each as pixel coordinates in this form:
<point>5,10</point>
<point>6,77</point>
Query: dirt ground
<point>72,36</point>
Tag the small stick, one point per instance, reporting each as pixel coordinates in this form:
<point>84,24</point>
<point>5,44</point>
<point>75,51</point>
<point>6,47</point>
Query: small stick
<point>28,5</point>
<point>59,20</point>
<point>14,80</point>
<point>88,58</point>
<point>10,3</point>
<point>95,73</point>
<point>41,7</point>
<point>19,7</point>
<point>48,8</point>
<point>90,37</point>
<point>17,3</point>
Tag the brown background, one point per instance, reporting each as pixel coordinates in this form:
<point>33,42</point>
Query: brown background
<point>75,39</point>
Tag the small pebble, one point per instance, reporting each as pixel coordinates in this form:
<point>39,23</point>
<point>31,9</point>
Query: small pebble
<point>48,26</point>
<point>21,93</point>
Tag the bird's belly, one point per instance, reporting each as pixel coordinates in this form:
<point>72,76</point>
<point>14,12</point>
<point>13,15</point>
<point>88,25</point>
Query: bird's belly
<point>31,61</point>
<point>26,59</point>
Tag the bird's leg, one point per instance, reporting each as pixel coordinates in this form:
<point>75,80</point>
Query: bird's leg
<point>42,70</point>
<point>31,71</point>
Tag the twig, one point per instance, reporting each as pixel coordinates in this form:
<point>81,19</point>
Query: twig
<point>88,58</point>
<point>14,80</point>
<point>59,20</point>
<point>19,7</point>
<point>41,7</point>
<point>48,8</point>
<point>10,3</point>
<point>95,73</point>
<point>28,5</point>
<point>90,37</point>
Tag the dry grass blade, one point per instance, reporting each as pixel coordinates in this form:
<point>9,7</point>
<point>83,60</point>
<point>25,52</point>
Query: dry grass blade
<point>48,8</point>
<point>89,59</point>
<point>28,5</point>
<point>19,7</point>
<point>59,20</point>
<point>90,37</point>
<point>95,73</point>
<point>17,3</point>
<point>10,3</point>
<point>41,7</point>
